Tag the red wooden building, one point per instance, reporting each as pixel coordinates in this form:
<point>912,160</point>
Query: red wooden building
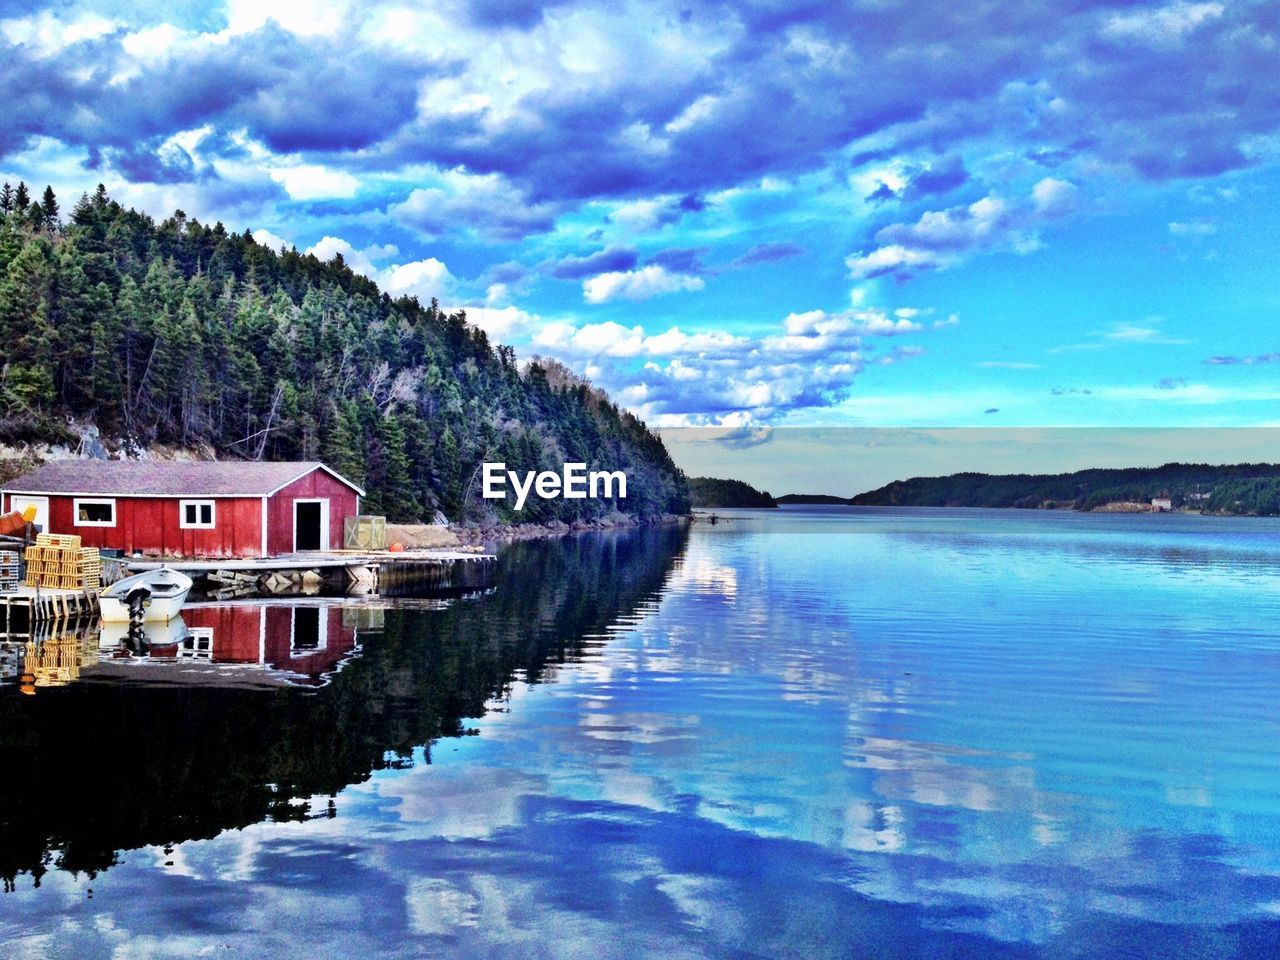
<point>190,509</point>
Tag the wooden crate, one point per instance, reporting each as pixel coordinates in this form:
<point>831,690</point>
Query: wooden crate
<point>65,541</point>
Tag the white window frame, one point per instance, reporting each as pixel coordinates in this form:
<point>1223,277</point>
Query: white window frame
<point>75,512</point>
<point>201,639</point>
<point>182,514</point>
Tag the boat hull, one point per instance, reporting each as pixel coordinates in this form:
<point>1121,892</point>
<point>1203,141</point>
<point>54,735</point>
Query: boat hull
<point>165,591</point>
<point>155,609</point>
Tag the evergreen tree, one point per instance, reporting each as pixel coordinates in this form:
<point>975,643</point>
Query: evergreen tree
<point>49,209</point>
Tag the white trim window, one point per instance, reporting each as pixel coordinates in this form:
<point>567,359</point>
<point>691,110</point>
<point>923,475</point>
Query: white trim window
<point>198,644</point>
<point>197,514</point>
<point>93,512</point>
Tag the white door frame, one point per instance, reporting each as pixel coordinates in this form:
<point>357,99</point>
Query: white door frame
<point>324,520</point>
<point>322,630</point>
<point>42,508</point>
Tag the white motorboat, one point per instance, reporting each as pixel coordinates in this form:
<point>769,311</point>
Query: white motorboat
<point>155,595</point>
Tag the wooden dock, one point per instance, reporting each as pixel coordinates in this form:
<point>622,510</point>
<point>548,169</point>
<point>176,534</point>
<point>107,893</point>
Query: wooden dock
<point>363,570</point>
<point>24,608</point>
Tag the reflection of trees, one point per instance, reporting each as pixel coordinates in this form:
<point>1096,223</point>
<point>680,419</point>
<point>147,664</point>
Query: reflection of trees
<point>91,769</point>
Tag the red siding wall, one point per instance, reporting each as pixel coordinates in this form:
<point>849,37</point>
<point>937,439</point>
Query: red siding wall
<point>150,525</point>
<point>317,485</point>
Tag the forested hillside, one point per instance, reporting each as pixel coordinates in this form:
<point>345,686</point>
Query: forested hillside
<point>1246,488</point>
<point>714,492</point>
<point>188,335</point>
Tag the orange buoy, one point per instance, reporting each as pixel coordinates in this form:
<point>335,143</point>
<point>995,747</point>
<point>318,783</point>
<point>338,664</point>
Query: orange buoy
<point>396,547</point>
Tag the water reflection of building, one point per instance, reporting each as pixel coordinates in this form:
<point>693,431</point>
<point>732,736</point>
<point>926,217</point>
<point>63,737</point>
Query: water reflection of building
<point>300,643</point>
<point>310,641</point>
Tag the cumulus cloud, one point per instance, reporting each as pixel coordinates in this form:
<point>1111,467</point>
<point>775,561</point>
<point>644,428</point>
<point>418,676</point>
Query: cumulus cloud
<point>943,238</point>
<point>361,261</point>
<point>489,205</point>
<point>678,376</point>
<point>581,106</point>
<point>309,181</point>
<point>270,240</point>
<point>501,323</point>
<point>423,279</point>
<point>641,284</point>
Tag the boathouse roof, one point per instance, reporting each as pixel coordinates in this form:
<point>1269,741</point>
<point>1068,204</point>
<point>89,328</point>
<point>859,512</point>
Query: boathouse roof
<point>167,478</point>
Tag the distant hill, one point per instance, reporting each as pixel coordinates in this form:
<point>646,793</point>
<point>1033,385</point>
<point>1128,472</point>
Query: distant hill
<point>714,492</point>
<point>1246,488</point>
<point>813,500</point>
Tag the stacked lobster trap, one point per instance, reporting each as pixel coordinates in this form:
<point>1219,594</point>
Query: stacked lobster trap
<point>58,562</point>
<point>10,564</point>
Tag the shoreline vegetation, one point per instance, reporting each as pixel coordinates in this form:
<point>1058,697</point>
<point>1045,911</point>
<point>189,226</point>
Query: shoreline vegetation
<point>1245,489</point>
<point>128,337</point>
<point>713,492</point>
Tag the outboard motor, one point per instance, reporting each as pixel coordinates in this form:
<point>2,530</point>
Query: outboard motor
<point>137,601</point>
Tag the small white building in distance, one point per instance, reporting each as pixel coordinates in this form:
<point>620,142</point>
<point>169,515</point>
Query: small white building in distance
<point>1161,504</point>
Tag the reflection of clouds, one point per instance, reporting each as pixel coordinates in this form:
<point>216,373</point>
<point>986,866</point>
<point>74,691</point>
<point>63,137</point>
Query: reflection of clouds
<point>873,829</point>
<point>705,902</point>
<point>699,573</point>
<point>458,802</point>
<point>903,748</point>
<point>640,728</point>
<point>438,907</point>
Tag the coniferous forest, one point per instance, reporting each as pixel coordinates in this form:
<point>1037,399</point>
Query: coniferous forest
<point>190,336</point>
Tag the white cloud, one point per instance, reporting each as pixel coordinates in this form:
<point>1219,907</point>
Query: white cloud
<point>943,238</point>
<point>640,284</point>
<point>46,35</point>
<point>1166,25</point>
<point>679,377</point>
<point>308,181</point>
<point>423,279</point>
<point>153,43</point>
<point>1054,198</point>
<point>500,322</point>
<point>357,260</point>
<point>268,239</point>
<point>614,340</point>
<point>487,203</point>
<point>892,259</point>
<point>300,17</point>
<point>1200,227</point>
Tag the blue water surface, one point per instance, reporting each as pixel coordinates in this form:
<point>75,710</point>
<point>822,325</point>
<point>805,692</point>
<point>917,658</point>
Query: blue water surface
<point>832,732</point>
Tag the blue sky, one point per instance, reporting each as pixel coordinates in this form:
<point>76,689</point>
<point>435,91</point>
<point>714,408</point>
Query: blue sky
<point>764,213</point>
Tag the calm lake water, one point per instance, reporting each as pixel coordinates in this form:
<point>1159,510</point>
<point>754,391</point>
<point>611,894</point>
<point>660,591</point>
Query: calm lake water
<point>799,733</point>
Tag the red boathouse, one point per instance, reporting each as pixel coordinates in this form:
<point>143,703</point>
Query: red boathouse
<point>190,509</point>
